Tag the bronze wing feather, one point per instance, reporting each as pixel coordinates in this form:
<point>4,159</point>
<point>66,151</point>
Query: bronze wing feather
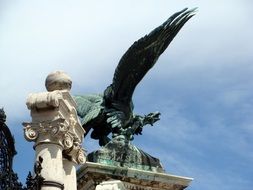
<point>142,56</point>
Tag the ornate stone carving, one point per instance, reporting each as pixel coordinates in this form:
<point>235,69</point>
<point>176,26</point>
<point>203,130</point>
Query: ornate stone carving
<point>30,133</point>
<point>44,100</point>
<point>55,118</point>
<point>59,131</point>
<point>97,176</point>
<point>56,131</point>
<point>111,185</point>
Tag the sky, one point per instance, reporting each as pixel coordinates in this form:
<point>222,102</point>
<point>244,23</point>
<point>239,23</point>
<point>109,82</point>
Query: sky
<point>202,84</point>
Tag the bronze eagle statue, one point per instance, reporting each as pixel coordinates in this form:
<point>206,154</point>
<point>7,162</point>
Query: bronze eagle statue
<point>112,111</point>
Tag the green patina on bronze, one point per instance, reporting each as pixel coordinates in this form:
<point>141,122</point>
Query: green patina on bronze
<point>112,111</point>
<point>121,153</point>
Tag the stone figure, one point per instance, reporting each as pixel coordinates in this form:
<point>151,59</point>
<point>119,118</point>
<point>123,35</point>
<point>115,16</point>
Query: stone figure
<point>112,111</point>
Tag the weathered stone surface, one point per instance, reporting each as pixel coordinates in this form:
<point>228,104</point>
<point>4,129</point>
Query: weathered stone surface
<point>90,175</point>
<point>54,120</point>
<point>57,133</point>
<point>58,80</point>
<point>111,185</point>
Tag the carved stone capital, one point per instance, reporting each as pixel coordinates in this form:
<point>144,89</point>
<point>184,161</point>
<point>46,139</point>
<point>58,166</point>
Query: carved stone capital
<point>46,131</point>
<point>54,120</point>
<point>59,132</point>
<point>75,153</point>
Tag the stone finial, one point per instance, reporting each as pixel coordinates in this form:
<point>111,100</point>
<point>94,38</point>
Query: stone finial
<point>58,80</point>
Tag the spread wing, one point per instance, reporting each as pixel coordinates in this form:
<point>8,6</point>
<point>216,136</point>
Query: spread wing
<point>88,107</point>
<point>141,57</point>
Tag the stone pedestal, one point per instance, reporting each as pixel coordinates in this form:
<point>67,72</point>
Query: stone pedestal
<point>57,133</point>
<point>97,176</point>
<point>111,185</point>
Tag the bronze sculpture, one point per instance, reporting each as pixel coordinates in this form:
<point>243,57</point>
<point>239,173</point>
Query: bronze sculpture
<point>112,111</point>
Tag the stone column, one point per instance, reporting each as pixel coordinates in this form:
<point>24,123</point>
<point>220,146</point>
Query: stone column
<point>57,133</point>
<point>69,174</point>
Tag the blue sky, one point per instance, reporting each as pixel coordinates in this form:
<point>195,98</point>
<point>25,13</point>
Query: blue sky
<point>202,84</point>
